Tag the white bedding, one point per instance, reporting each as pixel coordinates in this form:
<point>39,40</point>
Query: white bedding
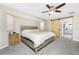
<point>37,37</point>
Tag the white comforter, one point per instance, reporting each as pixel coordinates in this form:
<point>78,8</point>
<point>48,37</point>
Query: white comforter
<point>37,37</point>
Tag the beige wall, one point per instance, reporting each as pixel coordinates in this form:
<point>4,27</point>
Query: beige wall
<point>17,18</point>
<point>3,31</point>
<point>14,23</point>
<point>76,27</point>
<point>10,22</point>
<point>27,22</point>
<point>48,25</point>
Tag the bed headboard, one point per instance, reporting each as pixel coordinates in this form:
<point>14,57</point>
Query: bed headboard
<point>28,27</point>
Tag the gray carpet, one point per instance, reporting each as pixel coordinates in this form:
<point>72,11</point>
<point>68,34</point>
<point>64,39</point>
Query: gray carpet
<point>62,46</point>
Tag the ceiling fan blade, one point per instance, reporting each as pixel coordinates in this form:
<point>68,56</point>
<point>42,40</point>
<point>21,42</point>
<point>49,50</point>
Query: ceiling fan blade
<point>48,6</point>
<point>60,6</point>
<point>45,11</point>
<point>57,11</point>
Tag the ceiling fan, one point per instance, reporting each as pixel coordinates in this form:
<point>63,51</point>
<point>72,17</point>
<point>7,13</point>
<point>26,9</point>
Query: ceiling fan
<point>53,9</point>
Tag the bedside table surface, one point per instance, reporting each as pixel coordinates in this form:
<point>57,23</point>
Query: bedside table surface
<point>13,38</point>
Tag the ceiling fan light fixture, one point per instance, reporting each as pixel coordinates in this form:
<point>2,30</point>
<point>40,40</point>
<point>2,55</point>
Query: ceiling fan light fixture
<point>52,12</point>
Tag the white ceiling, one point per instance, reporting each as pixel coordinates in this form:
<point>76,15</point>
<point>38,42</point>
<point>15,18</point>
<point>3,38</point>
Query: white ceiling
<point>36,9</point>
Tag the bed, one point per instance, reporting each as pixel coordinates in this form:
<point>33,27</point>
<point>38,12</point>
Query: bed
<point>36,39</point>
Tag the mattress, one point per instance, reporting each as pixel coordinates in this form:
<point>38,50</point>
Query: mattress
<point>37,37</point>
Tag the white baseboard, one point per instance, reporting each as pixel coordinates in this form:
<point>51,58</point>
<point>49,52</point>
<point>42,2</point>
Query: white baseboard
<point>75,39</point>
<point>4,46</point>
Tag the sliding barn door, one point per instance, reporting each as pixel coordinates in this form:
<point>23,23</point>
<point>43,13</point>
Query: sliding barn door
<point>56,27</point>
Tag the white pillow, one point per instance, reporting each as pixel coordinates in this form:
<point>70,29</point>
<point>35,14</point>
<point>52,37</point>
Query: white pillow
<point>31,30</point>
<point>27,30</point>
<point>35,30</point>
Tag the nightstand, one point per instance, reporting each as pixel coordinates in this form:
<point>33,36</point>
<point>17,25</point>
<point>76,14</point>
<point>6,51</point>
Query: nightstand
<point>13,38</point>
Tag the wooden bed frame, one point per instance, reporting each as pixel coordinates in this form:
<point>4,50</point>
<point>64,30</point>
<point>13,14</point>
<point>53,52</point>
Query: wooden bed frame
<point>30,43</point>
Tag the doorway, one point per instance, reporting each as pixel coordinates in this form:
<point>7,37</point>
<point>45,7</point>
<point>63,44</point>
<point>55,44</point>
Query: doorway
<point>66,26</point>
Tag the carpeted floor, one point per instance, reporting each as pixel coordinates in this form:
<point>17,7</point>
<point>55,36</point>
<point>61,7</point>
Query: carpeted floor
<point>62,46</point>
